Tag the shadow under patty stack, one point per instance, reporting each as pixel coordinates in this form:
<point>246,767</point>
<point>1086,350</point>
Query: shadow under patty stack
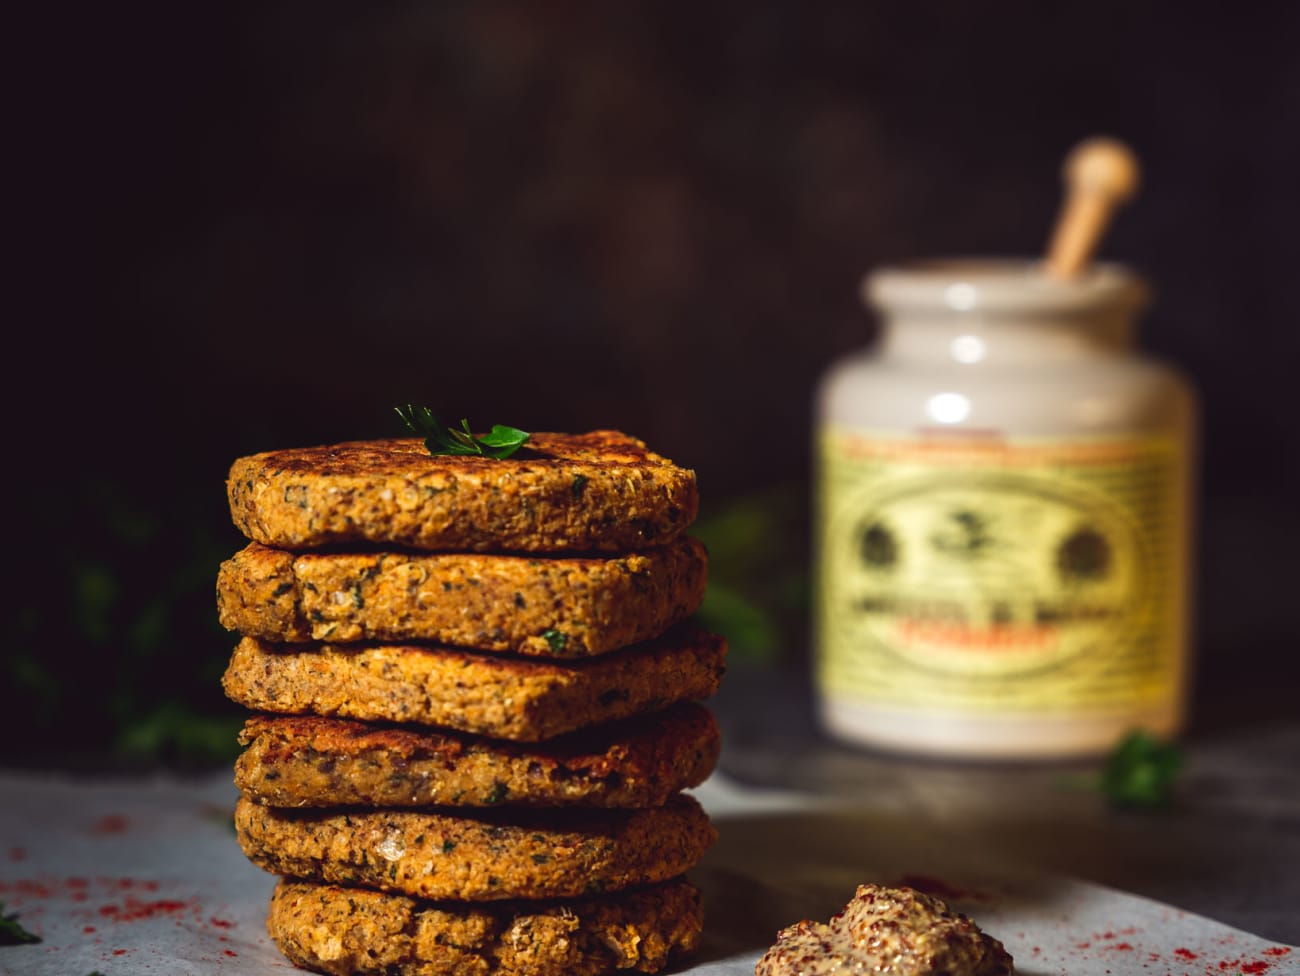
<point>477,705</point>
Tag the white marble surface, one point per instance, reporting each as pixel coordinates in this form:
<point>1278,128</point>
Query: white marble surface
<point>144,877</point>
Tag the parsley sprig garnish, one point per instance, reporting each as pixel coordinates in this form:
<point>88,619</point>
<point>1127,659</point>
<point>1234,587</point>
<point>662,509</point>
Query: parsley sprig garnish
<point>1140,772</point>
<point>500,442</point>
<point>11,933</point>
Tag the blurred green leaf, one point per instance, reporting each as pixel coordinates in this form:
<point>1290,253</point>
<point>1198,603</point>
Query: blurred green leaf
<point>1140,772</point>
<point>171,732</point>
<point>115,620</point>
<point>95,592</point>
<point>745,624</point>
<point>757,595</point>
<point>11,933</point>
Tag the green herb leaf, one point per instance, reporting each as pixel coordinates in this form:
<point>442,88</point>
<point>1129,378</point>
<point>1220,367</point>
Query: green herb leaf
<point>500,442</point>
<point>1140,772</point>
<point>11,933</point>
<point>500,437</point>
<point>555,639</point>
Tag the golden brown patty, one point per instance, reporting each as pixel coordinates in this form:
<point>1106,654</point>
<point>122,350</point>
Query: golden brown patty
<point>487,856</point>
<point>348,931</point>
<point>294,761</point>
<point>503,697</point>
<point>566,607</point>
<point>600,491</point>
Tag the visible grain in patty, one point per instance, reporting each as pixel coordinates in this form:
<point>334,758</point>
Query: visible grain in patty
<point>503,697</point>
<point>553,607</point>
<point>563,493</point>
<point>487,856</point>
<point>296,761</point>
<point>346,931</point>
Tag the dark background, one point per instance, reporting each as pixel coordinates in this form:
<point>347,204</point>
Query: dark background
<point>247,226</point>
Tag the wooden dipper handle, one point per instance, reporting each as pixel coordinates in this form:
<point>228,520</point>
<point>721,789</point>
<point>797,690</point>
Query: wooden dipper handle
<point>1099,175</point>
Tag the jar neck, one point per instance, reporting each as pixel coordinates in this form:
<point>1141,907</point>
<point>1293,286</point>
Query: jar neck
<point>978,339</point>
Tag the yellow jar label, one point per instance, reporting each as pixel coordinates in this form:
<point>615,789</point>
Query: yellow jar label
<point>981,573</point>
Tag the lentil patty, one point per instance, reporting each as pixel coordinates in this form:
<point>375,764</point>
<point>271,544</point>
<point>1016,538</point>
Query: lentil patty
<point>503,697</point>
<point>568,607</point>
<point>486,856</point>
<point>563,493</point>
<point>346,931</point>
<point>294,761</point>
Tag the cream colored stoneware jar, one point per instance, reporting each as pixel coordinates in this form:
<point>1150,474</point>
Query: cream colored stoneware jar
<point>1003,509</point>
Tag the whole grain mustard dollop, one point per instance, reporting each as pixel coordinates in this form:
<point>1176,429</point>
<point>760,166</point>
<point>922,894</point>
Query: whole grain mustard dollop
<point>889,932</point>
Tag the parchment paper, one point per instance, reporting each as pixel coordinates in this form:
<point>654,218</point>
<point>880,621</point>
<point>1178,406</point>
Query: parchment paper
<point>145,877</point>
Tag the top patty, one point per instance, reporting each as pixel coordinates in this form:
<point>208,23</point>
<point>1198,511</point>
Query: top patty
<point>600,491</point>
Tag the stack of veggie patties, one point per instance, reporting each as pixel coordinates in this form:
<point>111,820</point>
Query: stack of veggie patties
<point>477,695</point>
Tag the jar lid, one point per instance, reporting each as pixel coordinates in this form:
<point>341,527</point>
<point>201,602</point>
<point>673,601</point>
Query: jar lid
<point>1006,286</point>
